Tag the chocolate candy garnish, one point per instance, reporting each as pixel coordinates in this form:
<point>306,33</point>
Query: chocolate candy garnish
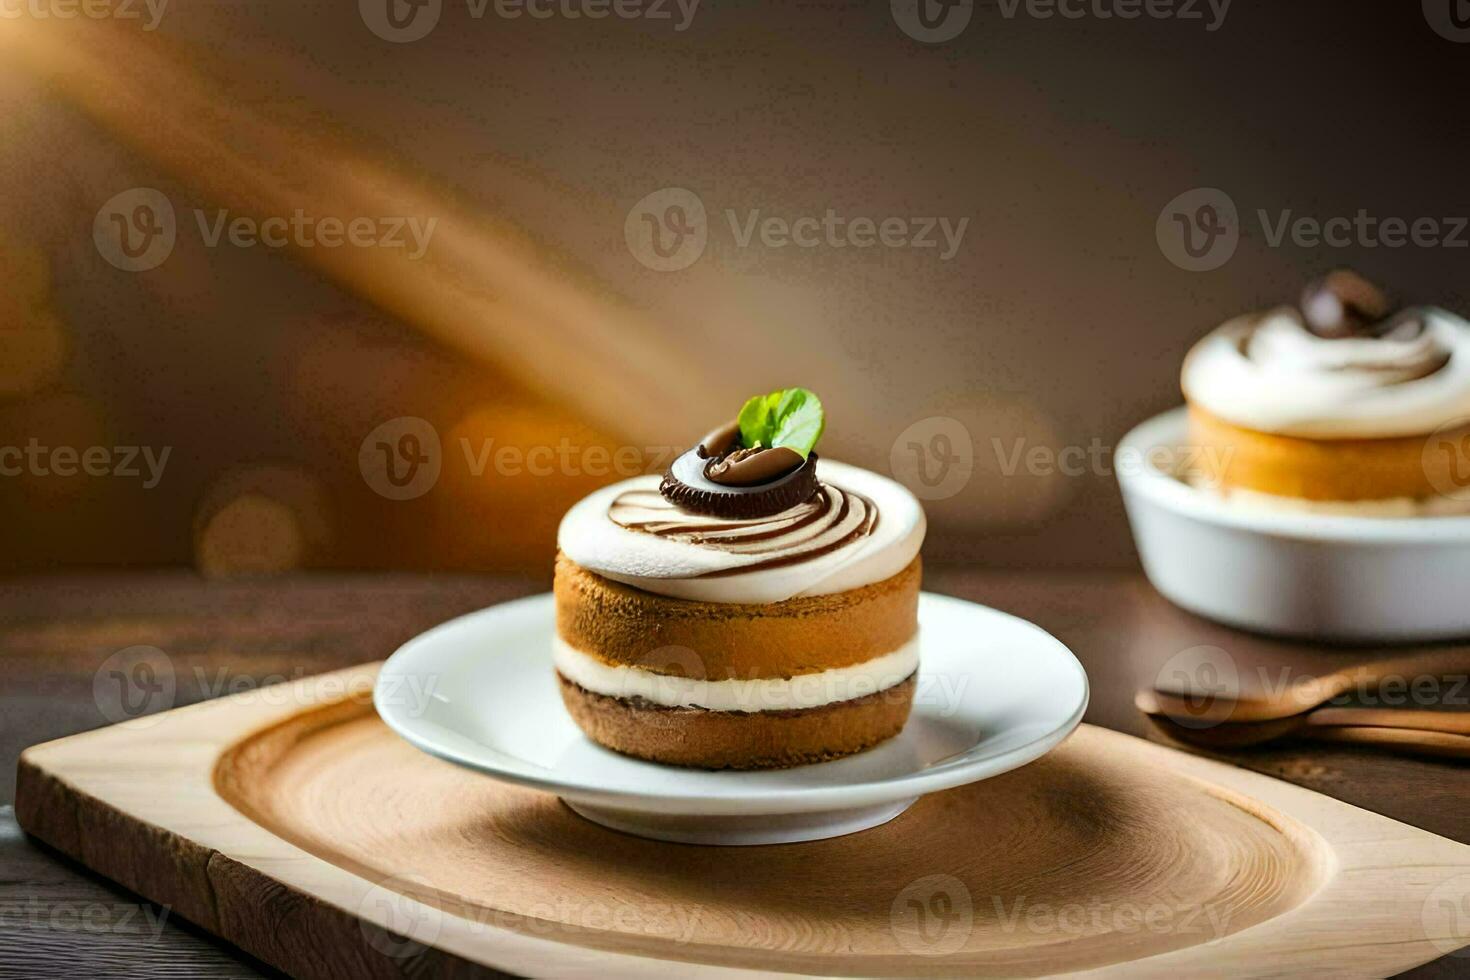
<point>758,464</point>
<point>1343,304</point>
<point>721,440</point>
<point>691,482</point>
<point>751,467</point>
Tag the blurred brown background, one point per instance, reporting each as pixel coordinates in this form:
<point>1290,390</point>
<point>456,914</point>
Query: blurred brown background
<point>530,323</point>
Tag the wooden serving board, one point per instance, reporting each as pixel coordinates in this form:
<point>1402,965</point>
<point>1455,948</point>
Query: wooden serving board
<point>292,823</point>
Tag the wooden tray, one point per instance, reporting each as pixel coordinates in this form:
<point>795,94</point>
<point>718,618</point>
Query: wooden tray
<point>292,823</point>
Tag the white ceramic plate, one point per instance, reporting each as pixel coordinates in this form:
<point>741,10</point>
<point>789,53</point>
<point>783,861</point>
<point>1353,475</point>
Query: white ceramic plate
<point>1318,576</point>
<point>994,693</point>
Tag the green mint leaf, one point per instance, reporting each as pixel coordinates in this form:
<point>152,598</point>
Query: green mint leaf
<point>757,420</point>
<point>791,417</point>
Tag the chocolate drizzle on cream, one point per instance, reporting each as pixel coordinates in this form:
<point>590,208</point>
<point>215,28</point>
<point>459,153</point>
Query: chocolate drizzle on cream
<point>1347,325</point>
<point>686,568</point>
<point>1403,375</point>
<point>1281,342</point>
<point>833,518</point>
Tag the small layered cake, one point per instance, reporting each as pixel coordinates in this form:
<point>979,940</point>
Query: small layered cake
<point>1336,405</point>
<point>755,608</point>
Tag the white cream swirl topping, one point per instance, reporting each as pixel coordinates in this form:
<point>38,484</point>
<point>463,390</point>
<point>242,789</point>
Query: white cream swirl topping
<point>1270,373</point>
<point>860,528</point>
<point>833,518</point>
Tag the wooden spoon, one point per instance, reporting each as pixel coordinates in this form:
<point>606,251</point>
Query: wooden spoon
<point>1234,735</point>
<point>1208,685</point>
<point>1446,719</point>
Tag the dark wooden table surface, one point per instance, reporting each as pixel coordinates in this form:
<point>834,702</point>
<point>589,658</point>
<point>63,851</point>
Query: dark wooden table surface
<point>58,919</point>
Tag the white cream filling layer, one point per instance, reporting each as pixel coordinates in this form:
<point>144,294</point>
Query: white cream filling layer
<point>761,694</point>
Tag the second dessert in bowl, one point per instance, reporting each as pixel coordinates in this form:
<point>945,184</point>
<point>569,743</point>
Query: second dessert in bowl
<point>1318,482</point>
<point>1335,405</point>
<point>755,608</point>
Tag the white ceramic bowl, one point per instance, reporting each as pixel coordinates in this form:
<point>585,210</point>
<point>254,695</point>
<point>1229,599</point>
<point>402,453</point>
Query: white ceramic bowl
<point>1323,577</point>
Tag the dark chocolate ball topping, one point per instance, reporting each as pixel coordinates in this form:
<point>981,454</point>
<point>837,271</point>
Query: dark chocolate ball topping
<point>1343,304</point>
